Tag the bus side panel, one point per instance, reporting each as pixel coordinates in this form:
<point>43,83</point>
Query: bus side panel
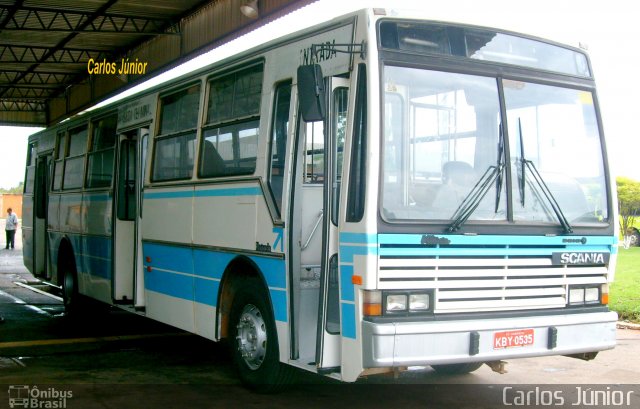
<point>96,250</point>
<point>53,236</point>
<point>168,256</point>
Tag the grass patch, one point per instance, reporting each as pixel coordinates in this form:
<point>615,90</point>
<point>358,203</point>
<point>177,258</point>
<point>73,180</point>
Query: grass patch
<point>624,294</point>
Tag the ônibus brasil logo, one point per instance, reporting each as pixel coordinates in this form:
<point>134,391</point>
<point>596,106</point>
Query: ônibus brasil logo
<point>32,397</point>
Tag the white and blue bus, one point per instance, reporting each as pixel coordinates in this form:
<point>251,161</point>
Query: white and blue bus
<point>369,194</point>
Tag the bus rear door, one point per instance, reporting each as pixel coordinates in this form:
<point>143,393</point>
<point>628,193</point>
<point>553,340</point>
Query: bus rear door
<point>127,274</point>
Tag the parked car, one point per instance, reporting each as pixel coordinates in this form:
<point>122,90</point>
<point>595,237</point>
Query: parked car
<point>634,233</point>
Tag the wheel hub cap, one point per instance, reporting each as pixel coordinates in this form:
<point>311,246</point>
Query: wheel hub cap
<point>252,336</point>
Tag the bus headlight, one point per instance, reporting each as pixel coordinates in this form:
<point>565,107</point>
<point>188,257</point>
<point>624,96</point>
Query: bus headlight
<point>581,295</point>
<point>591,295</point>
<point>407,302</point>
<point>419,302</point>
<point>576,296</point>
<point>396,303</point>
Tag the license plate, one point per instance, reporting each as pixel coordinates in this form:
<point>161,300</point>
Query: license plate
<point>513,339</point>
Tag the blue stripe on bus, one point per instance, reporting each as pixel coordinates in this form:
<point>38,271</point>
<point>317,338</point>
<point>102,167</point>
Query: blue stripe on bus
<point>358,238</point>
<point>496,252</point>
<point>347,252</point>
<point>92,254</point>
<point>273,270</point>
<point>211,263</point>
<point>206,291</point>
<point>168,195</point>
<point>240,191</point>
<point>205,268</point>
<point>97,246</point>
<point>174,285</point>
<point>346,286</point>
<point>227,192</point>
<point>348,320</point>
<point>279,301</point>
<point>173,258</point>
<point>497,240</point>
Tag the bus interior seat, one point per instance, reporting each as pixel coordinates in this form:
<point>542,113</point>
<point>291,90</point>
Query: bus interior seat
<point>212,162</point>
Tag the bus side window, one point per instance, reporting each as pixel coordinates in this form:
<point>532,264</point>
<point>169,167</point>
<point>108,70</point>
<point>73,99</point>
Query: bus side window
<point>232,124</point>
<point>278,146</point>
<point>101,154</point>
<point>74,159</point>
<point>174,149</point>
<point>58,167</point>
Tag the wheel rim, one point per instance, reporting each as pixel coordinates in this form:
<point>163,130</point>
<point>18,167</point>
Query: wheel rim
<point>252,336</point>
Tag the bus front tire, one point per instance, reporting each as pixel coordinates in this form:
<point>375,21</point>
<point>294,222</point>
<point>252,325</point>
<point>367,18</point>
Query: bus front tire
<point>254,341</point>
<point>457,369</point>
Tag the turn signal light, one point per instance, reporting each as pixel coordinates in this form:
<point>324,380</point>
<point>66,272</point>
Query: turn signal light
<point>372,303</point>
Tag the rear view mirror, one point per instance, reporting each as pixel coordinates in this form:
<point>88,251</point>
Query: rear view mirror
<point>311,93</point>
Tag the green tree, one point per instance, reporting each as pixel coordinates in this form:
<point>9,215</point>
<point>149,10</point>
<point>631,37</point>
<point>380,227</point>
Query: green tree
<point>14,190</point>
<point>628,203</point>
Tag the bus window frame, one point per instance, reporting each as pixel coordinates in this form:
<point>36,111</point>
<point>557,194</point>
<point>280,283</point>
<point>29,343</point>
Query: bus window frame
<point>91,152</point>
<point>83,156</point>
<point>176,134</point>
<point>230,122</point>
<point>277,87</point>
<point>501,72</point>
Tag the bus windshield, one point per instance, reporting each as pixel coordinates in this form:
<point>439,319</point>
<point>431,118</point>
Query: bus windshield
<point>444,147</point>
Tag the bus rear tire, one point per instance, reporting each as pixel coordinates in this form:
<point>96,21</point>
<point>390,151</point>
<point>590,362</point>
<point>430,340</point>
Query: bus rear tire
<point>457,369</point>
<point>71,298</point>
<point>254,341</point>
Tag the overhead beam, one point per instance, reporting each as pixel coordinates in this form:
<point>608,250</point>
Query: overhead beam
<point>55,20</point>
<point>61,44</point>
<point>36,78</point>
<point>22,105</point>
<point>11,11</point>
<point>36,54</point>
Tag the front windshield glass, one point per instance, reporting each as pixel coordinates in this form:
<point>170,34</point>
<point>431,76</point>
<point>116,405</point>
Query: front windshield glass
<point>441,135</point>
<point>556,129</point>
<point>443,138</point>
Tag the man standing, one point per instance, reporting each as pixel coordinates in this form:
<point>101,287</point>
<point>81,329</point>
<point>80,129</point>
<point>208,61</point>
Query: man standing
<point>10,228</point>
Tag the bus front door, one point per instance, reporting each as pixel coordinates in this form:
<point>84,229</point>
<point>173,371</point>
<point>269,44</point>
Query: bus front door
<point>41,202</point>
<point>127,271</point>
<point>315,300</point>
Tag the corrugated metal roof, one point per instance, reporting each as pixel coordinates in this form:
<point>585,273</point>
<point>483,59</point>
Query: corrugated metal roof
<point>45,44</point>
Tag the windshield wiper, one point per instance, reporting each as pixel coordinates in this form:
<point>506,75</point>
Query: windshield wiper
<point>527,164</point>
<point>547,194</point>
<point>480,190</point>
<point>499,178</point>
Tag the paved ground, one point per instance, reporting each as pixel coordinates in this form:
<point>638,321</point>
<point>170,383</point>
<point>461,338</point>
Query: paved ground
<point>117,360</point>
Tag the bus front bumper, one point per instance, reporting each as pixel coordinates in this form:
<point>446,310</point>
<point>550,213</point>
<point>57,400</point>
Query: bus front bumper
<point>457,341</point>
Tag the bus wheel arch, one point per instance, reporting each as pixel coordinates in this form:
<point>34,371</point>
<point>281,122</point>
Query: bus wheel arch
<point>239,272</point>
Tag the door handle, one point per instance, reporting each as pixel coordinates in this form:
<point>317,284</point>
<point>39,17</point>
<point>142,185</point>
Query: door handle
<point>313,231</point>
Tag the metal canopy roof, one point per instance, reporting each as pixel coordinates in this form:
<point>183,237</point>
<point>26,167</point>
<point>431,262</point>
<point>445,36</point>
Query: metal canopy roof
<point>45,46</point>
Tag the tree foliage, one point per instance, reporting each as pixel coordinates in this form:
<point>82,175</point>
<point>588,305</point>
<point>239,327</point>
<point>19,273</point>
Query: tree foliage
<point>14,190</point>
<point>628,202</point>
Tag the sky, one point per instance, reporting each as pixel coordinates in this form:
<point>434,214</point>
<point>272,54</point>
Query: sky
<point>607,29</point>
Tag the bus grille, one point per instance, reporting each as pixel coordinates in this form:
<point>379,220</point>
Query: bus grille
<point>485,282</point>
